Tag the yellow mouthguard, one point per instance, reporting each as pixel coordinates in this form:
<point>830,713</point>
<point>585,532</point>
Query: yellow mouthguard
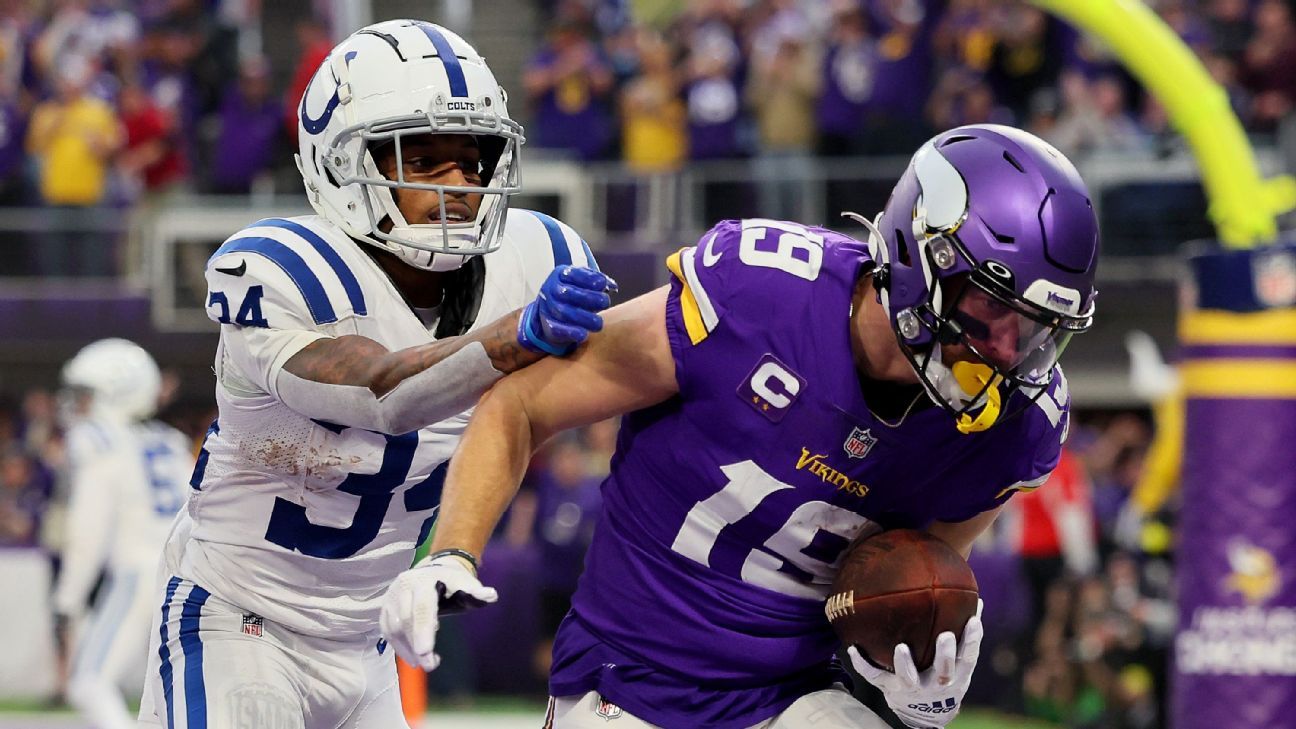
<point>973,378</point>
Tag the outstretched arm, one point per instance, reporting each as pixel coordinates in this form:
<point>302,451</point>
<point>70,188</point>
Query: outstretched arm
<point>355,381</point>
<point>626,367</point>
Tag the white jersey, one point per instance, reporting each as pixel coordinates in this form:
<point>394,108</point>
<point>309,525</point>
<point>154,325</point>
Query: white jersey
<point>306,522</point>
<point>128,481</point>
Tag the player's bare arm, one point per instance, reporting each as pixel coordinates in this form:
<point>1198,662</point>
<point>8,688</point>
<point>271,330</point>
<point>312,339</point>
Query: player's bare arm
<point>960,535</point>
<point>625,367</point>
<point>360,361</point>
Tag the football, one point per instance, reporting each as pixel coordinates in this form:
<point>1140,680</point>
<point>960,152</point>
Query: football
<point>901,586</point>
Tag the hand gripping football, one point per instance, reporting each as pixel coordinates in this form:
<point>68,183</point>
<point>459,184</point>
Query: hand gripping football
<point>901,586</point>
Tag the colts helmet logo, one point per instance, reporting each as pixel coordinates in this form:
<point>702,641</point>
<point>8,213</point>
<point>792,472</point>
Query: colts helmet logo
<point>859,442</point>
<point>771,388</point>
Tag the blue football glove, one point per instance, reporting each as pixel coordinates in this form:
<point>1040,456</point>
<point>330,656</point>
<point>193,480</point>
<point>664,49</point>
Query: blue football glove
<point>566,311</point>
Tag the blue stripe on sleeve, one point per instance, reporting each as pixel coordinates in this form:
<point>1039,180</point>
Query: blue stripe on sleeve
<point>164,652</point>
<point>191,643</point>
<point>293,265</point>
<point>454,71</point>
<point>349,282</point>
<point>558,241</point>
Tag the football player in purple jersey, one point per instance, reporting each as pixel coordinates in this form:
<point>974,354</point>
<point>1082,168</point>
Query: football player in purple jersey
<point>793,389</point>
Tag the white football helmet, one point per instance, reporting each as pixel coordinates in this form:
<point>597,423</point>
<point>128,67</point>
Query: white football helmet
<point>397,79</point>
<point>121,380</point>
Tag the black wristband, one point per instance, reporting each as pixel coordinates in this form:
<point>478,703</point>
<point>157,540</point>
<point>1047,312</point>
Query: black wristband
<point>455,552</point>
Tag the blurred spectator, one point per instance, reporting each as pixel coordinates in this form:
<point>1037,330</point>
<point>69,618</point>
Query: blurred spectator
<point>962,97</point>
<point>1229,22</point>
<point>849,67</point>
<point>1052,528</point>
<point>782,90</point>
<point>967,35</point>
<point>168,73</point>
<point>1094,119</point>
<point>22,499</point>
<point>1268,63</point>
<point>714,68</point>
<point>72,137</point>
<point>249,137</point>
<point>95,35</point>
<point>14,185</point>
<point>568,83</point>
<point>903,62</point>
<point>653,133</point>
<point>151,160</point>
<point>1023,61</point>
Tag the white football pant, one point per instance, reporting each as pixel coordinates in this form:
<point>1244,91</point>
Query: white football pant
<point>828,709</point>
<point>213,666</point>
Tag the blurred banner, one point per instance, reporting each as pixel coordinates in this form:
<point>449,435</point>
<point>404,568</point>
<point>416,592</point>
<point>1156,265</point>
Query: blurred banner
<point>1235,651</point>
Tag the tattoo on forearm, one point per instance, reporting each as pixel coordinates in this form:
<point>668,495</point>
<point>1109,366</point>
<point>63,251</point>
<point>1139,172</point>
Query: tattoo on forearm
<point>347,360</point>
<point>360,361</point>
<point>500,341</point>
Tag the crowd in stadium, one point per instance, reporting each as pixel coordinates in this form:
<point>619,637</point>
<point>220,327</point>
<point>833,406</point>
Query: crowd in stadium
<point>145,100</point>
<point>780,78</point>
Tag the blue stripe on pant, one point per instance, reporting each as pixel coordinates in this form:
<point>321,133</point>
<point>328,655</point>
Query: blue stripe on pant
<point>164,652</point>
<point>195,692</point>
<point>191,644</point>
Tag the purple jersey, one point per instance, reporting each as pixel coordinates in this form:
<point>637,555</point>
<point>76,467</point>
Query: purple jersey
<point>728,506</point>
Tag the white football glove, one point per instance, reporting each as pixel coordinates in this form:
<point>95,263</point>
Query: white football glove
<point>934,697</point>
<point>440,585</point>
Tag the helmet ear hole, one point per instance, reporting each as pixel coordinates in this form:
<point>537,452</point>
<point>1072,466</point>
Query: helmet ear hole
<point>903,248</point>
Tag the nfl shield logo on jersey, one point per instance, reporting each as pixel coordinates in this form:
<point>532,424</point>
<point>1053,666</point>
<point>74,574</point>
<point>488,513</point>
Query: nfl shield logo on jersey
<point>859,443</point>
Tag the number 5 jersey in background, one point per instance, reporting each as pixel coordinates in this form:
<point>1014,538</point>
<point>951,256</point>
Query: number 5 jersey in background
<point>729,505</point>
<point>305,522</point>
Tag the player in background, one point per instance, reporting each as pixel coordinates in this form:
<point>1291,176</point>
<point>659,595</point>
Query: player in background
<point>129,477</point>
<point>351,343</point>
<point>793,389</point>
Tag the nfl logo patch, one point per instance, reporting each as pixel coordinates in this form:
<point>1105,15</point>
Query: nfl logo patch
<point>1274,276</point>
<point>607,709</point>
<point>859,443</point>
<point>252,625</point>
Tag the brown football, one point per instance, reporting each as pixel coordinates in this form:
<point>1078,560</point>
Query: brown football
<point>901,586</point>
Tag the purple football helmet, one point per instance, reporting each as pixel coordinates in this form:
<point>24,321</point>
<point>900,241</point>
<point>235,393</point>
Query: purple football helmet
<point>989,242</point>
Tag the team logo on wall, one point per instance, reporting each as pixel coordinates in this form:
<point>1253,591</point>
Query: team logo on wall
<point>859,442</point>
<point>1253,572</point>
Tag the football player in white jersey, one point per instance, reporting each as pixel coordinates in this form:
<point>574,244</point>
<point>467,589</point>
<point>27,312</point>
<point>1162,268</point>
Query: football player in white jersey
<point>352,343</point>
<point>129,477</point>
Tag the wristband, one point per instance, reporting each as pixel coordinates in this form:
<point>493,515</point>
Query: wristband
<point>455,552</point>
